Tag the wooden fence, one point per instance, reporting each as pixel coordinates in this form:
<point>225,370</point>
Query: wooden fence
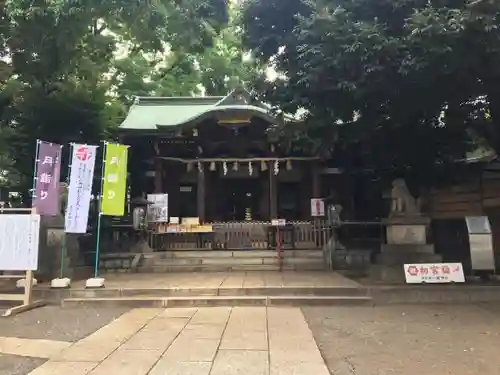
<point>246,235</point>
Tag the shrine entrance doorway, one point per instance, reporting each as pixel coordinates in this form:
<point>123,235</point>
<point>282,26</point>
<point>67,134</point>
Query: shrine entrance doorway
<point>242,199</point>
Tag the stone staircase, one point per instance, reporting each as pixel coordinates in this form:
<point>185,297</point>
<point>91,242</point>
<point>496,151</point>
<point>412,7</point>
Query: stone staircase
<point>231,260</point>
<point>197,297</point>
<point>248,288</point>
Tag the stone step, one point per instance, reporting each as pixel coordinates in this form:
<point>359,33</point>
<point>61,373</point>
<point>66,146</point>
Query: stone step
<point>221,261</point>
<point>335,291</point>
<point>231,261</point>
<point>162,268</point>
<point>207,254</point>
<point>204,301</point>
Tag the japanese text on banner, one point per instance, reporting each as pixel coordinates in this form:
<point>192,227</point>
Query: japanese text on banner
<point>80,188</point>
<point>47,179</point>
<point>115,180</point>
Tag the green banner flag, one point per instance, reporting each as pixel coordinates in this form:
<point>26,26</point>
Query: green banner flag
<point>115,180</point>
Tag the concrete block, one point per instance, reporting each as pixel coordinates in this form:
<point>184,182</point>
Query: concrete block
<point>95,282</point>
<point>60,283</point>
<point>22,282</point>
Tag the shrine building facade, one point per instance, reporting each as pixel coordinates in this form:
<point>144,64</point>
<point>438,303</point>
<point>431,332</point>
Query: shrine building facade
<point>219,159</point>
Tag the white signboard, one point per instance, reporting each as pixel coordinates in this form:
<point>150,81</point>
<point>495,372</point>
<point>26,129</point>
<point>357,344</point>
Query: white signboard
<point>317,207</point>
<point>278,222</point>
<point>158,211</point>
<point>80,188</point>
<point>478,224</point>
<point>435,273</point>
<point>19,238</point>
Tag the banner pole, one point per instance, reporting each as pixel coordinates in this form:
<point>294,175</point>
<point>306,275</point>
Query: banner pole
<point>98,236</point>
<point>63,240</point>
<point>35,170</point>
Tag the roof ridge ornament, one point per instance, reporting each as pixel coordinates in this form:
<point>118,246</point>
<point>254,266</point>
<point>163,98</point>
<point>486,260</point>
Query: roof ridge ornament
<point>237,96</point>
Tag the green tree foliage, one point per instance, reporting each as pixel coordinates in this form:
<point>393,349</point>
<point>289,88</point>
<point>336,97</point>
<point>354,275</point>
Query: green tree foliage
<point>228,64</point>
<point>180,72</point>
<point>57,76</point>
<point>408,84</point>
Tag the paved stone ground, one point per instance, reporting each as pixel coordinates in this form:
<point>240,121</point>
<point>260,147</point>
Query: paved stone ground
<point>17,365</point>
<point>51,323</point>
<point>56,323</point>
<point>440,339</point>
<point>221,280</point>
<point>408,339</point>
<point>194,341</point>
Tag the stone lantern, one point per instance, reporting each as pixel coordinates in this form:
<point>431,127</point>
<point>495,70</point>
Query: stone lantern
<point>140,224</point>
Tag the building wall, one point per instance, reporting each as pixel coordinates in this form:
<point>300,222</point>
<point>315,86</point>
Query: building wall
<point>448,208</point>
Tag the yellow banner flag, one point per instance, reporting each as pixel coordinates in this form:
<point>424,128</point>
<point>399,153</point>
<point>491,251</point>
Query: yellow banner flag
<point>115,180</point>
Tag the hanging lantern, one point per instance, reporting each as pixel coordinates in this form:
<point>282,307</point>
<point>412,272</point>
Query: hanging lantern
<point>263,166</point>
<point>276,167</point>
<point>224,168</point>
<point>250,168</point>
<point>248,214</point>
<point>235,166</point>
<point>189,167</point>
<point>212,166</point>
<point>200,167</point>
<point>288,165</point>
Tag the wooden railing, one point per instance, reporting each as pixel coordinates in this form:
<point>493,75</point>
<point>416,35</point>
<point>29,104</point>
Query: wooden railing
<point>245,235</point>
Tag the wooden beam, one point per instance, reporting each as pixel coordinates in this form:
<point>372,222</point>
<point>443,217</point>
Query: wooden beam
<point>201,195</point>
<point>273,192</point>
<point>158,176</point>
<point>316,182</point>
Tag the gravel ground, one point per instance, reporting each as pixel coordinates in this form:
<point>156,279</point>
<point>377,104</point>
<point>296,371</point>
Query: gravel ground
<point>14,365</point>
<point>52,323</point>
<point>408,339</point>
<point>58,323</point>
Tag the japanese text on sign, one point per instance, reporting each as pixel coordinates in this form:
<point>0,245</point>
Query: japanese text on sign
<point>115,177</point>
<point>434,273</point>
<point>47,176</point>
<point>317,207</point>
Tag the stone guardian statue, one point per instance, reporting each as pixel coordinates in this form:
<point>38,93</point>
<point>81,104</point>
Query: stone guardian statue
<point>402,202</point>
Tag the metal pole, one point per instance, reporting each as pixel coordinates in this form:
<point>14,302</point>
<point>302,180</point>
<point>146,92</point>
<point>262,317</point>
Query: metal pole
<point>35,170</point>
<point>98,236</point>
<point>63,242</point>
<point>278,248</point>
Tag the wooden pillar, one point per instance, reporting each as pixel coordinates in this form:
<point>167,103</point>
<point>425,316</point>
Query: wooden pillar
<point>273,192</point>
<point>316,181</point>
<point>158,176</point>
<point>200,190</point>
<point>171,173</point>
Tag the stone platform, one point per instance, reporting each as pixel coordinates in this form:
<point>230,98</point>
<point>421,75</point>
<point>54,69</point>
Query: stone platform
<point>213,289</point>
<point>205,341</point>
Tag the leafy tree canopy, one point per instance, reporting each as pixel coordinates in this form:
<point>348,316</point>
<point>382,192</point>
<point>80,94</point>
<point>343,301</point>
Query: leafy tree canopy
<point>60,75</point>
<point>407,85</point>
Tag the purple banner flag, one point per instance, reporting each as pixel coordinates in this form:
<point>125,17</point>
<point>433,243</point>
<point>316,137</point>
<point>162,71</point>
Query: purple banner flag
<point>48,172</point>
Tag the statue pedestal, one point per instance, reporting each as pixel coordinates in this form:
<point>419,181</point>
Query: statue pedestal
<point>406,243</point>
<point>52,239</point>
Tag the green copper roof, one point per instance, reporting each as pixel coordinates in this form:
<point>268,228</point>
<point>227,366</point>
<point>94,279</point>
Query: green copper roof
<point>152,113</point>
